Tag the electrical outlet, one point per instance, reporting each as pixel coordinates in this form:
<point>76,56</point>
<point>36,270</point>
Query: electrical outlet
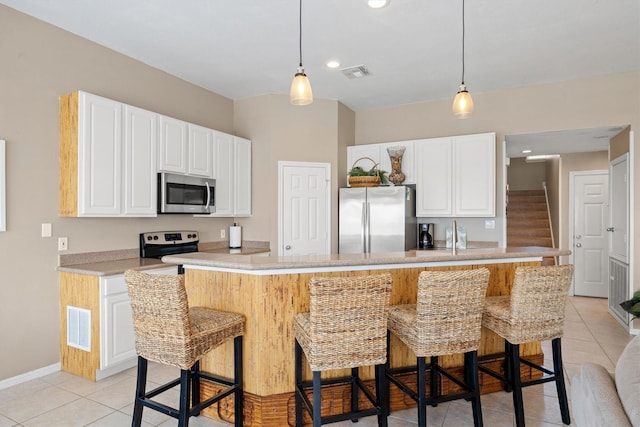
<point>490,224</point>
<point>63,243</point>
<point>223,233</point>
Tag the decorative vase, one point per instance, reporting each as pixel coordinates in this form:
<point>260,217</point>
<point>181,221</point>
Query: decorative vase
<point>395,154</point>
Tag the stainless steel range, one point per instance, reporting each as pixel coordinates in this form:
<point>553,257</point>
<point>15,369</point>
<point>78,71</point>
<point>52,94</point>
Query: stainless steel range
<point>160,243</point>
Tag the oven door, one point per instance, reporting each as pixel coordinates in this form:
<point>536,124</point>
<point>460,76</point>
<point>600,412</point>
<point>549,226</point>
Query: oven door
<point>180,194</point>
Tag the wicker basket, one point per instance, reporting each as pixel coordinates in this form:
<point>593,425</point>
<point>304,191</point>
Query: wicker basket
<point>365,181</point>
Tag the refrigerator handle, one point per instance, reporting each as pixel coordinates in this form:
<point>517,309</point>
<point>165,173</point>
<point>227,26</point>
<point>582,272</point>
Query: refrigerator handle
<point>367,249</point>
<point>363,228</point>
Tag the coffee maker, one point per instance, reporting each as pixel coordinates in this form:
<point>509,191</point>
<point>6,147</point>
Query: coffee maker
<point>425,235</point>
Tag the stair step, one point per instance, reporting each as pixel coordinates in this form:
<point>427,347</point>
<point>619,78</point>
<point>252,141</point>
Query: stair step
<point>526,193</point>
<point>515,221</point>
<point>537,241</point>
<point>528,199</point>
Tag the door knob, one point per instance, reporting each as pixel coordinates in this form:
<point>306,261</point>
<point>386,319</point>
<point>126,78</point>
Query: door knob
<point>579,236</point>
<point>287,247</point>
<point>610,229</point>
<point>578,245</point>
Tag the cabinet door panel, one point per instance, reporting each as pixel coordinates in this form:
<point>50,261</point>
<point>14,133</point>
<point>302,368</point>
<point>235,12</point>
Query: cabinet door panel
<point>200,151</point>
<point>434,185</point>
<point>119,337</point>
<point>173,145</point>
<point>100,155</point>
<point>140,182</point>
<point>242,187</point>
<point>474,170</point>
<point>224,158</point>
<point>358,151</point>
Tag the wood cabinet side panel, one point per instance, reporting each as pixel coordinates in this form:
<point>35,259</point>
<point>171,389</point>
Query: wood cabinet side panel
<point>82,291</point>
<point>68,156</point>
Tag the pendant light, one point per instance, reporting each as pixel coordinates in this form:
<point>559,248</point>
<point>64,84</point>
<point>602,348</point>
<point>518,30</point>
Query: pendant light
<point>300,87</point>
<point>462,103</point>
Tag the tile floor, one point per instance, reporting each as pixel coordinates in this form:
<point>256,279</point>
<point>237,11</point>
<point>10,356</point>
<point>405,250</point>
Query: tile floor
<point>62,399</point>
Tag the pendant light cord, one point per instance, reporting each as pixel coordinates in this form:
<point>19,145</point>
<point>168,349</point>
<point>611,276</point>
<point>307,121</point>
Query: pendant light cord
<point>462,41</point>
<point>300,32</point>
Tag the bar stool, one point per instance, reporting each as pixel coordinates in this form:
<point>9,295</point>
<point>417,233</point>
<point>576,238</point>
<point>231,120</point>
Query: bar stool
<point>169,332</point>
<point>445,320</point>
<point>345,328</point>
<point>534,312</point>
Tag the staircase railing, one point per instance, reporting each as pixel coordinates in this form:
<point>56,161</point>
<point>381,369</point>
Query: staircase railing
<point>546,198</point>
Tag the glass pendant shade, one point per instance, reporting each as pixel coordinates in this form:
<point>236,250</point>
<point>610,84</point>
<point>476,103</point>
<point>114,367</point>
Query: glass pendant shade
<point>301,93</point>
<point>462,103</point>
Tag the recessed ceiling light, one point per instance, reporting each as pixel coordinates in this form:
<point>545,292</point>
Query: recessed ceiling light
<point>377,4</point>
<point>526,151</point>
<point>333,64</point>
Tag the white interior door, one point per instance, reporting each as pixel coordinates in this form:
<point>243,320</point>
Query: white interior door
<point>304,208</point>
<point>590,239</point>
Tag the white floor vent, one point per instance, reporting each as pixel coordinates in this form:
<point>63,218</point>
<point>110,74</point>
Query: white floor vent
<point>79,328</point>
<point>618,289</point>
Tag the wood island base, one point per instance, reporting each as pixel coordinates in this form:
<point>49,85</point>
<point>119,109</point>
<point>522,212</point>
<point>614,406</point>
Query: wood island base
<point>270,300</point>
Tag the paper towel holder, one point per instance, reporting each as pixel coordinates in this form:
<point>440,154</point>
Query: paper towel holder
<point>235,236</point>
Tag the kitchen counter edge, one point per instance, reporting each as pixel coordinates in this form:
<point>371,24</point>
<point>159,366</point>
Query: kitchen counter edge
<point>202,260</point>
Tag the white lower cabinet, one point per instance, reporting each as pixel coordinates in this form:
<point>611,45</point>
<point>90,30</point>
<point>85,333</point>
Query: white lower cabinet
<point>117,338</point>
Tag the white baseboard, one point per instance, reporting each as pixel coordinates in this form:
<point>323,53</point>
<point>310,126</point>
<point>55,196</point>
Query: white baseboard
<point>28,376</point>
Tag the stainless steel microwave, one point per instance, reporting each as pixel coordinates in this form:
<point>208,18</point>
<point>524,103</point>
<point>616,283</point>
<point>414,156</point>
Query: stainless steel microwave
<point>181,194</point>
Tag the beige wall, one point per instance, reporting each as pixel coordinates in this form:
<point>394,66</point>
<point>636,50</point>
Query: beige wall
<point>619,144</point>
<point>280,131</point>
<point>39,64</point>
<point>525,176</point>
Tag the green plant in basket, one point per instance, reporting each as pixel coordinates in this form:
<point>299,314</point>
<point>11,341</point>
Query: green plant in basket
<point>358,171</point>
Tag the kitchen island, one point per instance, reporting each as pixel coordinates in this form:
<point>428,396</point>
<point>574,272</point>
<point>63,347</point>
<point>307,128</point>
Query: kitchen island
<point>270,291</point>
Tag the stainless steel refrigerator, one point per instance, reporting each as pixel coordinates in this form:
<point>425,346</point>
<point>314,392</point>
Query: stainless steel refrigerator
<point>377,219</point>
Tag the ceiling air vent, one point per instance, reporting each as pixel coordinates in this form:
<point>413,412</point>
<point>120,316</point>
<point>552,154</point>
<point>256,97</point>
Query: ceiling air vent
<point>355,72</point>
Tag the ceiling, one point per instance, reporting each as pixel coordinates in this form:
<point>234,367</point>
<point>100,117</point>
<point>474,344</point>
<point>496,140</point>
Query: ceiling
<point>412,48</point>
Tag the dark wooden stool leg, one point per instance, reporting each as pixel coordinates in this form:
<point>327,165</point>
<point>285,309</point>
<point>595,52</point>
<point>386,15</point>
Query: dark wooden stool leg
<point>560,385</point>
<point>298,378</point>
<point>434,379</point>
<point>141,384</point>
<point>471,379</point>
<point>238,379</point>
<point>195,386</point>
<point>422,393</point>
<point>317,400</point>
<point>516,384</point>
<point>354,392</point>
<point>185,397</point>
<point>382,398</point>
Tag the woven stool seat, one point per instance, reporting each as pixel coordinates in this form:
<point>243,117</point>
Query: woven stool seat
<point>534,311</point>
<point>345,328</point>
<point>445,320</point>
<point>168,331</point>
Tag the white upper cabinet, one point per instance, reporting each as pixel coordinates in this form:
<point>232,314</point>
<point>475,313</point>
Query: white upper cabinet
<point>185,148</point>
<point>475,175</point>
<point>456,176</point>
<point>434,187</point>
<point>232,160</point>
<point>242,188</point>
<point>379,154</point>
<point>140,142</point>
<point>174,145</point>
<point>200,151</point>
<point>99,155</point>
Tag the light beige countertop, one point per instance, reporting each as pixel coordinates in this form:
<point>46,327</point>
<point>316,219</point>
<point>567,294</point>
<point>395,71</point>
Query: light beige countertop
<point>286,264</point>
<point>108,263</point>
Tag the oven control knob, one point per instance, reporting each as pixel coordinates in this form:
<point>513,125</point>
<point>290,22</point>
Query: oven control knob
<point>155,237</point>
<point>149,238</point>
